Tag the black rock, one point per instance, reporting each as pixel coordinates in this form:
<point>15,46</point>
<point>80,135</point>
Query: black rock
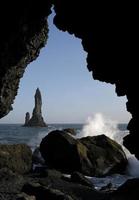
<point>16,157</point>
<point>92,156</point>
<point>37,119</point>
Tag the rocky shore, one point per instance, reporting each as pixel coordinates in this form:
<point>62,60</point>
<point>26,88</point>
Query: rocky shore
<point>41,175</point>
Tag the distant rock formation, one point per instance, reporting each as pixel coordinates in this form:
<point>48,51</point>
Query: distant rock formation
<point>27,118</point>
<point>36,119</point>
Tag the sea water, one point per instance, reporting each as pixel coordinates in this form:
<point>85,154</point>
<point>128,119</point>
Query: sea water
<point>16,133</point>
<point>32,136</point>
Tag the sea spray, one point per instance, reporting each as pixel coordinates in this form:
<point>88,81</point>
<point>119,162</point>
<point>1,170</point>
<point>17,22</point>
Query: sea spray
<point>36,140</point>
<point>98,125</point>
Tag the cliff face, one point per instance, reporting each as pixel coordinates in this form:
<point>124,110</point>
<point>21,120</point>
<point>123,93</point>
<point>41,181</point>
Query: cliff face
<point>36,119</point>
<point>109,35</point>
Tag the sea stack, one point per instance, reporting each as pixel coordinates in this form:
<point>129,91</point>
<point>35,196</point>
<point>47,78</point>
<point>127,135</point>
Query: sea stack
<point>36,119</point>
<point>27,118</point>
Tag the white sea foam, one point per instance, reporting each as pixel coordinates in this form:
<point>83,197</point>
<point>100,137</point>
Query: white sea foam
<point>97,125</point>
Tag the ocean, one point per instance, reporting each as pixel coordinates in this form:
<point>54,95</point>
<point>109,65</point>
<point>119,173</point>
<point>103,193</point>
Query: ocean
<point>32,136</point>
<point>16,133</point>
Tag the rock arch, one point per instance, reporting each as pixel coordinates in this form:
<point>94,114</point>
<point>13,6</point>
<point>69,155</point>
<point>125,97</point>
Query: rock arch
<point>109,35</point>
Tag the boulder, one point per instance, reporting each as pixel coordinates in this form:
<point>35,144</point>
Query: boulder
<point>92,156</point>
<point>71,131</point>
<point>106,155</point>
<point>16,157</point>
<point>77,177</point>
<point>62,152</point>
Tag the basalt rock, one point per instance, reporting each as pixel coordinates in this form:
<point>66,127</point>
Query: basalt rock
<point>24,31</point>
<point>16,157</point>
<point>27,118</point>
<point>105,38</point>
<point>71,131</point>
<point>92,156</point>
<point>10,184</point>
<point>62,152</point>
<point>37,119</point>
<point>106,155</point>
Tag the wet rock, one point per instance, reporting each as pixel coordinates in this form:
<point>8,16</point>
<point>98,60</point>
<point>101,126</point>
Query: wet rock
<point>62,152</point>
<point>106,155</point>
<point>43,193</point>
<point>16,157</point>
<point>107,188</point>
<point>72,131</point>
<point>24,196</point>
<point>77,177</point>
<point>62,190</point>
<point>10,184</point>
<point>37,119</point>
<point>51,173</point>
<point>92,156</point>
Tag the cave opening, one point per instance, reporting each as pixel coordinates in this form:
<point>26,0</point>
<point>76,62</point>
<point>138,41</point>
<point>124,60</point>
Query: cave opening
<point>79,101</point>
<point>63,60</point>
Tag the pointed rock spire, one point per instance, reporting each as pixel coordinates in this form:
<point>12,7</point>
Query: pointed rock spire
<point>37,119</point>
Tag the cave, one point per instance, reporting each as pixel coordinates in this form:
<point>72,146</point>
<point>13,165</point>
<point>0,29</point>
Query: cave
<point>108,34</point>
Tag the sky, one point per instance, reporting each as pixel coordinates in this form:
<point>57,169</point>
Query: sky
<point>69,93</point>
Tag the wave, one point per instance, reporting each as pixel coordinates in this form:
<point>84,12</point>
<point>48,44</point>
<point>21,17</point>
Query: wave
<point>99,124</point>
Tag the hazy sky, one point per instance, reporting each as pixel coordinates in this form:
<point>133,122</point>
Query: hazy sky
<point>69,93</point>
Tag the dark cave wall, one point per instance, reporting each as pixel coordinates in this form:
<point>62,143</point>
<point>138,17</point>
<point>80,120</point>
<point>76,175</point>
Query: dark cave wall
<point>24,32</point>
<point>108,31</point>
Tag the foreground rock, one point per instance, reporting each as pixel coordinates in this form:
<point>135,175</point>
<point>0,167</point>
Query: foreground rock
<point>79,178</point>
<point>56,188</point>
<point>10,184</point>
<point>71,131</point>
<point>92,156</point>
<point>16,157</point>
<point>62,152</point>
<point>106,155</point>
<point>51,185</point>
<point>36,119</point>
